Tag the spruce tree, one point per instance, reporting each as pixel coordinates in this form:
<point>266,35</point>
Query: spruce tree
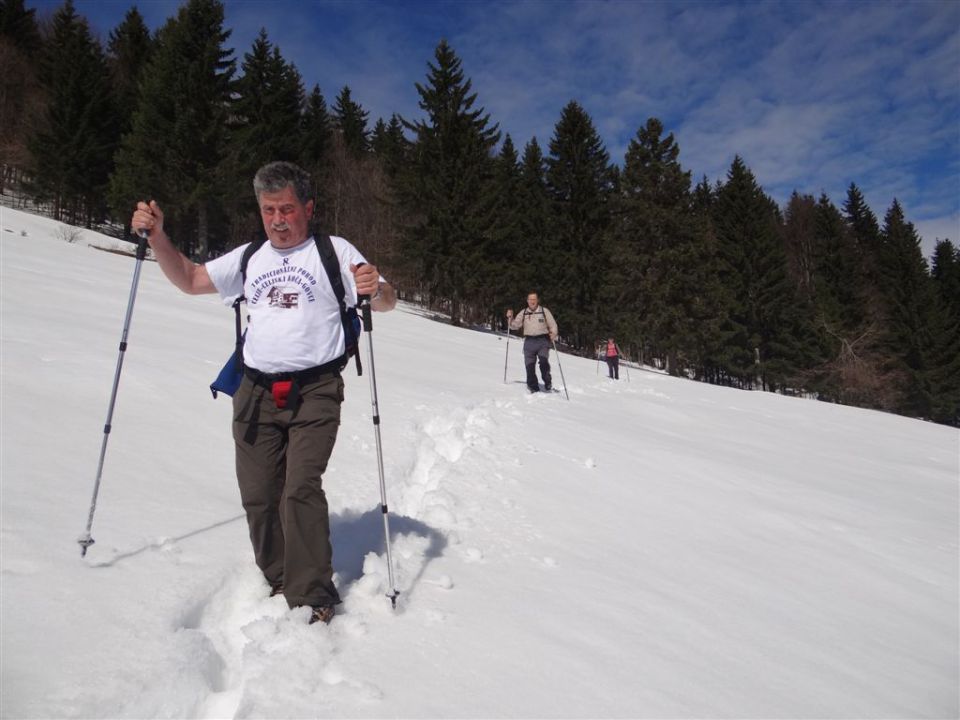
<point>74,144</point>
<point>19,26</point>
<point>800,241</point>
<point>713,301</point>
<point>839,319</point>
<point>378,136</point>
<point>128,52</point>
<point>909,307</point>
<point>703,197</point>
<point>317,133</point>
<point>390,146</point>
<point>267,108</point>
<point>317,126</point>
<point>706,302</point>
<point>535,234</point>
<point>266,125</point>
<point>580,184</point>
<point>176,150</point>
<point>21,97</point>
<point>945,332</point>
<point>868,375</point>
<point>500,267</point>
<point>769,339</point>
<point>267,118</point>
<point>350,119</point>
<point>451,165</point>
<point>664,279</point>
<point>838,281</point>
<point>828,272</point>
<point>945,272</point>
<point>865,233</point>
<point>387,165</point>
<point>942,377</point>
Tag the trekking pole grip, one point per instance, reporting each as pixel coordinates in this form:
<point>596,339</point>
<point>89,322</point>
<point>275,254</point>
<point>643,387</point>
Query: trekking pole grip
<point>366,311</point>
<point>142,235</point>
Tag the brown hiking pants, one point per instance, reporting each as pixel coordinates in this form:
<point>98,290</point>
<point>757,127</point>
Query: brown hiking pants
<point>281,458</point>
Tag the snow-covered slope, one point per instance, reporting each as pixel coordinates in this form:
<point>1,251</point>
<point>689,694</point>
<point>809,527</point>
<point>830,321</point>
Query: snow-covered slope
<point>652,548</point>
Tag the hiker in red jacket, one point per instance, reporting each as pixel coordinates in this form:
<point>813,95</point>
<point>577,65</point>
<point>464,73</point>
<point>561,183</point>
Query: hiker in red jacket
<point>612,356</point>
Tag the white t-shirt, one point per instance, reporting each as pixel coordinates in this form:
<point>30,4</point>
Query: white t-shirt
<point>294,317</point>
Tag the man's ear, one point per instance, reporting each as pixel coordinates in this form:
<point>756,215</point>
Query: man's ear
<point>309,208</point>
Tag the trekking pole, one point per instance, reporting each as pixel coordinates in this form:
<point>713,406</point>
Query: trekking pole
<point>86,540</point>
<point>625,366</point>
<point>507,354</point>
<point>368,328</point>
<point>561,368</point>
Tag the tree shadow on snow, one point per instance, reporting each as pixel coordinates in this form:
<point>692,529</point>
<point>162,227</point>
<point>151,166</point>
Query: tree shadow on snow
<point>353,535</point>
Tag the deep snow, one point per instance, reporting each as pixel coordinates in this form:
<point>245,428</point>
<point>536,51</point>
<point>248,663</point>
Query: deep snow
<point>652,548</point>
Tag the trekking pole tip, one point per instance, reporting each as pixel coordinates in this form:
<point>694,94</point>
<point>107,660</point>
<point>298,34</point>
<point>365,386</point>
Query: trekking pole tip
<point>85,542</point>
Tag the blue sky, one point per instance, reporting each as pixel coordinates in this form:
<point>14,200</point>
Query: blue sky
<point>813,95</point>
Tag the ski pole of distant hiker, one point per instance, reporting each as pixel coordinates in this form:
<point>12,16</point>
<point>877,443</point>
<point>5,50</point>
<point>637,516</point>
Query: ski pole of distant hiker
<point>625,366</point>
<point>507,355</point>
<point>86,540</point>
<point>368,330</point>
<point>560,367</point>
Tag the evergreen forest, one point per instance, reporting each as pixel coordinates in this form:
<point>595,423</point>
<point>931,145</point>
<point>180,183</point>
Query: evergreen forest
<point>711,281</point>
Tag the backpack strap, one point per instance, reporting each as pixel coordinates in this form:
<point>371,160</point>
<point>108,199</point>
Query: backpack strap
<point>245,258</point>
<point>328,256</point>
<point>244,261</point>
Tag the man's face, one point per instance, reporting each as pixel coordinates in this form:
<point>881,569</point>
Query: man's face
<point>533,301</point>
<point>285,219</point>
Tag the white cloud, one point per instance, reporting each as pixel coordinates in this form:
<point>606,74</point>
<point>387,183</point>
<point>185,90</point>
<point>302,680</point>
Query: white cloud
<point>934,229</point>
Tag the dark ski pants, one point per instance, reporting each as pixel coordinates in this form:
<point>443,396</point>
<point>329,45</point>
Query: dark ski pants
<point>537,347</point>
<point>280,464</point>
<point>613,366</point>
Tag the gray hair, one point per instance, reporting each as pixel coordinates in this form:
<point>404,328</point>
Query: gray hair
<point>275,176</point>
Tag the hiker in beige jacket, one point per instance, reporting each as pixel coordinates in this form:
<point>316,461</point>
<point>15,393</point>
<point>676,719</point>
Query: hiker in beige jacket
<point>539,332</point>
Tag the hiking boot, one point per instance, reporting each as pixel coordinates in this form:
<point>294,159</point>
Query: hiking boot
<point>322,613</point>
<point>548,387</point>
<point>276,589</point>
<point>533,388</point>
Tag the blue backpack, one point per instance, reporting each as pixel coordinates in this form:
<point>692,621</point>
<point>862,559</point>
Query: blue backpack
<point>228,380</point>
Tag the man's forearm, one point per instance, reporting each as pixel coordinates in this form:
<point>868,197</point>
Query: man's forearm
<point>175,265</point>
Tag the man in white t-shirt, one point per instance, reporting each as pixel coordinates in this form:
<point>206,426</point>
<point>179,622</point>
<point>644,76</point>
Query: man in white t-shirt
<point>287,409</point>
